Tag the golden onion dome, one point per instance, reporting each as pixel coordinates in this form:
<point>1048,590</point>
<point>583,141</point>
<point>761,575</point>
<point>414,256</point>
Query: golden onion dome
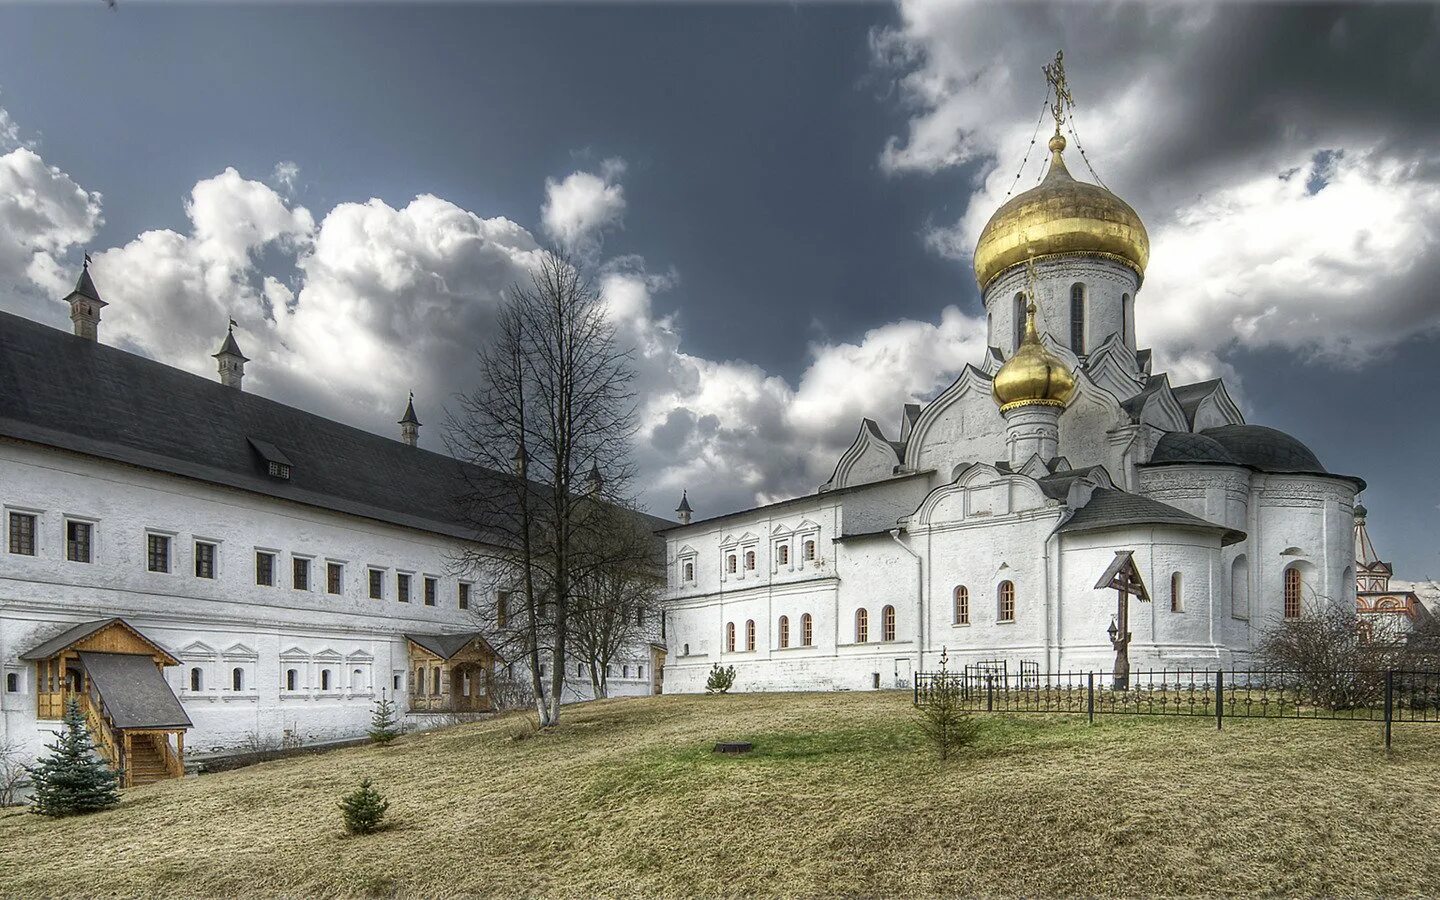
<point>1058,217</point>
<point>1033,376</point>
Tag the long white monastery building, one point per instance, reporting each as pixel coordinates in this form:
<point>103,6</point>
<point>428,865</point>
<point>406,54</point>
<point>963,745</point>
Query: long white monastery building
<point>208,569</point>
<point>982,526</point>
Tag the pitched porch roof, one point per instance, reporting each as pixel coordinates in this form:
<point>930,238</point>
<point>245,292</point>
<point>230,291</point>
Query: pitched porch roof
<point>134,691</point>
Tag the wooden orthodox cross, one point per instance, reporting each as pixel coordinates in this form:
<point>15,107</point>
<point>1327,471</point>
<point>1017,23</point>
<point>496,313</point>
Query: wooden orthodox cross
<point>1124,578</point>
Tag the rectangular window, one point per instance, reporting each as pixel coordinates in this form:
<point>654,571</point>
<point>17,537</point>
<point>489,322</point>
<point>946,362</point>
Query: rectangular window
<point>402,587</point>
<point>22,534</point>
<point>301,574</point>
<point>464,596</point>
<point>79,541</point>
<point>334,578</point>
<point>204,559</point>
<point>502,609</point>
<point>431,586</point>
<point>264,568</point>
<point>157,553</point>
<point>377,584</point>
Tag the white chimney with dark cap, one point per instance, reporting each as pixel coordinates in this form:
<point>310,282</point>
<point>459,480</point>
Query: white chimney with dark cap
<point>409,424</point>
<point>85,305</point>
<point>230,360</point>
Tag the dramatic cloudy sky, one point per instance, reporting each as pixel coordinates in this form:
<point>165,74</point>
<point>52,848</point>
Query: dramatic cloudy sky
<point>780,201</point>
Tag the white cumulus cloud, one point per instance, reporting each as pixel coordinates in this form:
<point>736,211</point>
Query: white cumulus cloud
<point>579,207</point>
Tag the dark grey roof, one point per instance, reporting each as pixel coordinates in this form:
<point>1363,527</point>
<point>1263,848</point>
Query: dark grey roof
<point>409,418</point>
<point>79,632</point>
<point>1143,360</point>
<point>230,348</point>
<point>684,502</point>
<point>1115,508</point>
<point>1185,447</point>
<point>133,690</point>
<point>1136,405</point>
<point>85,286</point>
<point>445,645</point>
<point>808,498</point>
<point>1190,396</point>
<point>1267,449</point>
<point>64,391</point>
<point>1056,485</point>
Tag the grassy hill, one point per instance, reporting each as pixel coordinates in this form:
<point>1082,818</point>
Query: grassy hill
<point>840,797</point>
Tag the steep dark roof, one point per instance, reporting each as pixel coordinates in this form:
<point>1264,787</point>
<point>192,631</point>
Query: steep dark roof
<point>807,498</point>
<point>64,391</point>
<point>85,287</point>
<point>1190,396</point>
<point>1115,508</point>
<point>1136,405</point>
<point>133,690</point>
<point>230,348</point>
<point>409,418</point>
<point>1056,485</point>
<point>445,645</point>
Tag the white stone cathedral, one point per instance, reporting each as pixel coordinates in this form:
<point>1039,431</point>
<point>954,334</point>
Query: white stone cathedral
<point>981,528</point>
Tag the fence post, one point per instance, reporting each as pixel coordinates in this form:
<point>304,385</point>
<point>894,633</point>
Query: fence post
<point>989,693</point>
<point>1389,705</point>
<point>917,689</point>
<point>1219,699</point>
<point>1090,692</point>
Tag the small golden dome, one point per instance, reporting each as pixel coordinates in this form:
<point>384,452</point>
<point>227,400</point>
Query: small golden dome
<point>1060,216</point>
<point>1033,376</point>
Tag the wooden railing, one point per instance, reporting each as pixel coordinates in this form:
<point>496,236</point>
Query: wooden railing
<point>100,731</point>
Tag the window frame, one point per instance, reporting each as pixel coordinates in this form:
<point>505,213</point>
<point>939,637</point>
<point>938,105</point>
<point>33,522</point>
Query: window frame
<point>729,637</point>
<point>1078,303</point>
<point>429,590</point>
<point>887,623</point>
<point>782,631</point>
<point>375,582</point>
<point>403,583</point>
<point>807,630</point>
<point>1294,593</point>
<point>335,586</point>
<point>271,555</point>
<point>463,592</point>
<point>862,626</point>
<point>1005,602</point>
<point>214,561</point>
<point>296,563</point>
<point>961,598</point>
<point>11,515</point>
<point>749,635</point>
<point>168,538</point>
<point>91,539</point>
<point>1177,592</point>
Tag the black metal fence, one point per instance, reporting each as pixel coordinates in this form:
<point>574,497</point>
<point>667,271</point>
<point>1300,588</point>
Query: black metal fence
<point>1383,697</point>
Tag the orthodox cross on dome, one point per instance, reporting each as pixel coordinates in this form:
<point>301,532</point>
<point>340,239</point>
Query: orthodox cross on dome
<point>1059,88</point>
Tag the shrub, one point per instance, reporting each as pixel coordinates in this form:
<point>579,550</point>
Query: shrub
<point>363,809</point>
<point>383,726</point>
<point>943,716</point>
<point>720,680</point>
<point>1330,655</point>
<point>72,779</point>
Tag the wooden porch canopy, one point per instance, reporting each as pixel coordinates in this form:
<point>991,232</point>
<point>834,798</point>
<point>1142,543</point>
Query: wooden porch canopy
<point>116,674</point>
<point>450,672</point>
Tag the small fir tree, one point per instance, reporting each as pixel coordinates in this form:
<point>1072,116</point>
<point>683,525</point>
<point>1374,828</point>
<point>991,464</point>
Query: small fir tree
<point>720,680</point>
<point>72,779</point>
<point>363,809</point>
<point>384,727</point>
<point>943,716</point>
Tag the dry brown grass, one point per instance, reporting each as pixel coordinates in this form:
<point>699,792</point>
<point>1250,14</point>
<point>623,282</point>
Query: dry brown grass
<point>840,797</point>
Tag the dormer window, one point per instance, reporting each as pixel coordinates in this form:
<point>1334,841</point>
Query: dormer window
<point>278,470</point>
<point>277,464</point>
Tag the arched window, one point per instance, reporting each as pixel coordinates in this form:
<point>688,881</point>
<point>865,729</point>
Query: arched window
<point>197,678</point>
<point>689,571</point>
<point>807,630</point>
<point>783,554</point>
<point>237,679</point>
<point>809,550</point>
<point>1292,593</point>
<point>962,605</point>
<point>420,679</point>
<point>324,679</point>
<point>1177,598</point>
<point>862,626</point>
<point>729,637</point>
<point>1006,597</point>
<point>685,650</point>
<point>625,671</point>
<point>749,560</point>
<point>292,678</point>
<point>357,680</point>
<point>1127,315</point>
<point>749,635</point>
<point>730,564</point>
<point>887,624</point>
<point>1077,317</point>
<point>1019,321</point>
<point>435,679</point>
<point>1240,588</point>
<point>784,631</point>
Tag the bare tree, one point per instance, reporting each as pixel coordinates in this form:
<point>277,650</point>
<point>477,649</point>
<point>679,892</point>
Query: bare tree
<point>617,602</point>
<point>1331,653</point>
<point>548,435</point>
